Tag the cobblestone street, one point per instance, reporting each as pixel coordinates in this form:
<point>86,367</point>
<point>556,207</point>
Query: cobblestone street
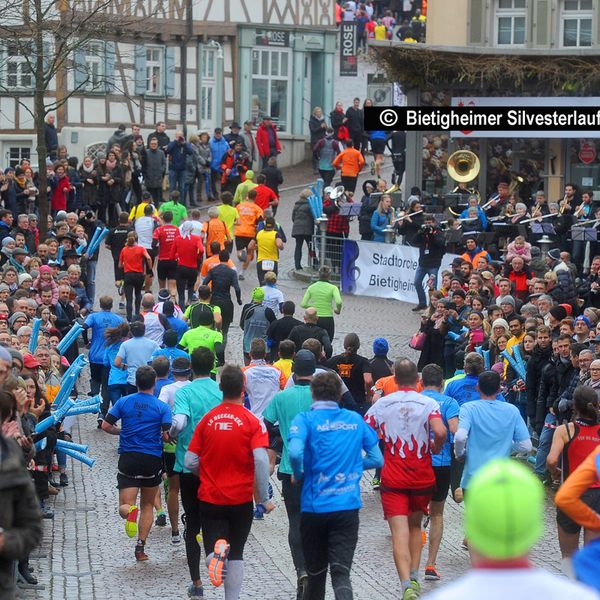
<point>85,553</point>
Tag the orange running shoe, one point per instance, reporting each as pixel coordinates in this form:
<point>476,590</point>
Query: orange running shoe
<point>216,567</point>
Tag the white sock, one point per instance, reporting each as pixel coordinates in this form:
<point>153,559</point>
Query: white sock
<point>234,579</point>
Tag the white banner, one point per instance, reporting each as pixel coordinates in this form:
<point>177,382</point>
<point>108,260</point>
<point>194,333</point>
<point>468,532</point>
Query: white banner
<point>383,270</point>
<point>526,102</point>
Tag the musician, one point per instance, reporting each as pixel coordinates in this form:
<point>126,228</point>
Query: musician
<point>409,226</point>
<point>568,202</point>
<point>338,228</point>
<point>473,220</point>
<point>520,214</point>
<point>540,206</point>
<point>382,218</point>
<point>582,214</point>
<point>474,203</point>
<point>498,200</point>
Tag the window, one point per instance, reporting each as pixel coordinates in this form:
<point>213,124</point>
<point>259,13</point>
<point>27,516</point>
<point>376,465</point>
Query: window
<point>18,70</point>
<point>577,23</point>
<point>208,84</point>
<point>510,22</point>
<point>270,95</point>
<point>94,66</point>
<point>155,61</point>
<point>17,153</point>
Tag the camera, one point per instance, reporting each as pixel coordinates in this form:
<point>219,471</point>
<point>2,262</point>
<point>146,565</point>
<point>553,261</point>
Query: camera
<point>427,228</point>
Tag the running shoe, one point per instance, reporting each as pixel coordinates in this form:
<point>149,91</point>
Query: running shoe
<point>195,592</point>
<point>131,527</point>
<point>270,491</point>
<point>458,495</point>
<point>161,519</point>
<point>431,573</point>
<point>416,586</point>
<point>241,276</point>
<point>465,545</point>
<point>217,569</point>
<point>121,305</point>
<point>140,552</point>
<point>302,583</point>
<point>243,255</point>
<point>175,538</point>
<point>120,288</point>
<point>64,480</point>
<point>259,513</point>
<point>376,483</point>
<point>410,594</point>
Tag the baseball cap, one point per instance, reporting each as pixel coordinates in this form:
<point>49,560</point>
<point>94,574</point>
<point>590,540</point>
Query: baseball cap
<point>304,363</point>
<point>504,510</point>
<point>30,362</point>
<point>380,346</point>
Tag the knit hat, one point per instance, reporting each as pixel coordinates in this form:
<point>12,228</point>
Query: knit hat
<point>554,254</point>
<point>501,323</point>
<point>304,363</point>
<point>7,240</point>
<point>163,295</point>
<point>15,354</point>
<point>496,525</point>
<point>506,300</point>
<point>579,318</point>
<point>16,316</point>
<point>380,347</point>
<point>249,174</point>
<point>45,269</point>
<point>568,308</point>
<point>558,312</point>
<point>23,277</point>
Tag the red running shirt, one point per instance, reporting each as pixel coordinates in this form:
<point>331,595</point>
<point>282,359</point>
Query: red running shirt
<point>165,234</point>
<point>187,250</point>
<point>133,258</point>
<point>224,440</point>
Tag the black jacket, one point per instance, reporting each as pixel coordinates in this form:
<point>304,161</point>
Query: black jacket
<point>432,246</point>
<point>305,331</point>
<point>279,330</point>
<point>535,366</point>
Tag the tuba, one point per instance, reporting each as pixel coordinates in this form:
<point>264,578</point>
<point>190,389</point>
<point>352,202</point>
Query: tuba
<point>463,166</point>
<point>338,195</point>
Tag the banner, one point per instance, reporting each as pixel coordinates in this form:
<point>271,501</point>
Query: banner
<point>348,49</point>
<point>527,102</point>
<point>383,270</point>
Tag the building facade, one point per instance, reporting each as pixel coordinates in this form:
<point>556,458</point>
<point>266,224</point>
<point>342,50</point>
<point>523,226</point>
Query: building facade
<point>499,53</point>
<point>195,65</point>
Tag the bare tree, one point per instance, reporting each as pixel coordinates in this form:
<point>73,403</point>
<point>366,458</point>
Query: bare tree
<point>45,35</point>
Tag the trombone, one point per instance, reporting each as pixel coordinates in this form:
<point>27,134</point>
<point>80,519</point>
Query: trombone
<point>563,204</point>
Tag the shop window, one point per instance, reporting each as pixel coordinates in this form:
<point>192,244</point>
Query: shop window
<point>576,23</point>
<point>270,86</point>
<point>510,22</point>
<point>17,153</point>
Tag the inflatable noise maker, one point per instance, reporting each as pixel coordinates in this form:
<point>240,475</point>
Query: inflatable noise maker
<point>69,379</point>
<point>486,357</point>
<point>454,336</point>
<point>515,360</point>
<point>59,255</point>
<point>69,338</point>
<point>99,235</point>
<point>35,332</point>
<point>315,201</point>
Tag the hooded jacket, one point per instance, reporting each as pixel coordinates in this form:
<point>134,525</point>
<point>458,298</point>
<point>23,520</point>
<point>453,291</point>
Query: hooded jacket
<point>303,222</point>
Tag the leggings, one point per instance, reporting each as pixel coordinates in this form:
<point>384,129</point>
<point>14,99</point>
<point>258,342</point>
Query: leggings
<point>328,324</point>
<point>188,485</point>
<point>133,282</point>
<point>186,279</point>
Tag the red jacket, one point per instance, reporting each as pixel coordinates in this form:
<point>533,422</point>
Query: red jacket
<point>262,140</point>
<point>60,190</point>
<point>227,162</point>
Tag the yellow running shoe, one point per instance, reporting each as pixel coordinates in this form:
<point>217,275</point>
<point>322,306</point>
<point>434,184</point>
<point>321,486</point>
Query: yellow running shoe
<point>131,527</point>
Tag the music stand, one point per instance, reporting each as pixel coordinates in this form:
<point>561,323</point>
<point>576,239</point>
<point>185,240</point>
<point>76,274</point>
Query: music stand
<point>349,209</point>
<point>456,199</point>
<point>543,228</point>
<point>584,234</point>
<point>508,230</point>
<point>454,236</point>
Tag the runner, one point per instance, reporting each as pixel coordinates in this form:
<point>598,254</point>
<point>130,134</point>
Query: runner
<point>143,417</point>
<point>205,336</point>
<point>433,382</point>
<point>214,230</point>
<point>571,445</point>
<point>245,230</point>
<point>163,237</point>
<point>115,242</point>
<point>132,260</point>
<point>411,426</point>
<point>188,251</point>
<point>281,411</point>
<point>203,304</point>
<point>503,533</point>
<point>229,450</point>
<point>321,295</point>
<point>325,450</point>
<point>192,400</point>
<point>269,244</point>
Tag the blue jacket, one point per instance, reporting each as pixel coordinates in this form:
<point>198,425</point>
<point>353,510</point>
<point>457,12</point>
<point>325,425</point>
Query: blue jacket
<point>178,153</point>
<point>217,149</point>
<point>378,223</point>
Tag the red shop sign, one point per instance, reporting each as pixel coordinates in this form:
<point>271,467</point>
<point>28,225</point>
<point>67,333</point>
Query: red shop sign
<point>587,153</point>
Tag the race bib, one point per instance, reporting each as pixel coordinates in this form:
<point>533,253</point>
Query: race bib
<point>268,265</point>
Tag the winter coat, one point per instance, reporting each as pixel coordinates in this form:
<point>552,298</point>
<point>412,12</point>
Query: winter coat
<point>204,157</point>
<point>250,144</point>
<point>336,118</point>
<point>432,247</point>
<point>379,223</point>
<point>317,132</point>
<point>90,190</point>
<point>178,154</point>
<point>535,366</point>
<point>154,168</point>
<point>20,515</point>
<point>118,137</point>
<point>218,149</point>
<point>303,222</point>
<point>263,143</point>
<point>51,136</point>
<point>191,165</point>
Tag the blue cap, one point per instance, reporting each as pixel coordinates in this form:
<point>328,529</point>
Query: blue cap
<point>380,347</point>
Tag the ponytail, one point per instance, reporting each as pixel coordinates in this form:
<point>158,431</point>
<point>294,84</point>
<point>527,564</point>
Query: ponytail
<point>585,403</point>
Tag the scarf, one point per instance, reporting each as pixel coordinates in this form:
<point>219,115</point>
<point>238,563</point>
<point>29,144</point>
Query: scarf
<point>89,169</point>
<point>111,164</point>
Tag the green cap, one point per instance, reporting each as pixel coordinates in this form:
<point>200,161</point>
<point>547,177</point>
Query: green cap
<point>258,294</point>
<point>504,510</point>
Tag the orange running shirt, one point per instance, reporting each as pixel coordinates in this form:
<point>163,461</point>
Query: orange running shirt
<point>248,216</point>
